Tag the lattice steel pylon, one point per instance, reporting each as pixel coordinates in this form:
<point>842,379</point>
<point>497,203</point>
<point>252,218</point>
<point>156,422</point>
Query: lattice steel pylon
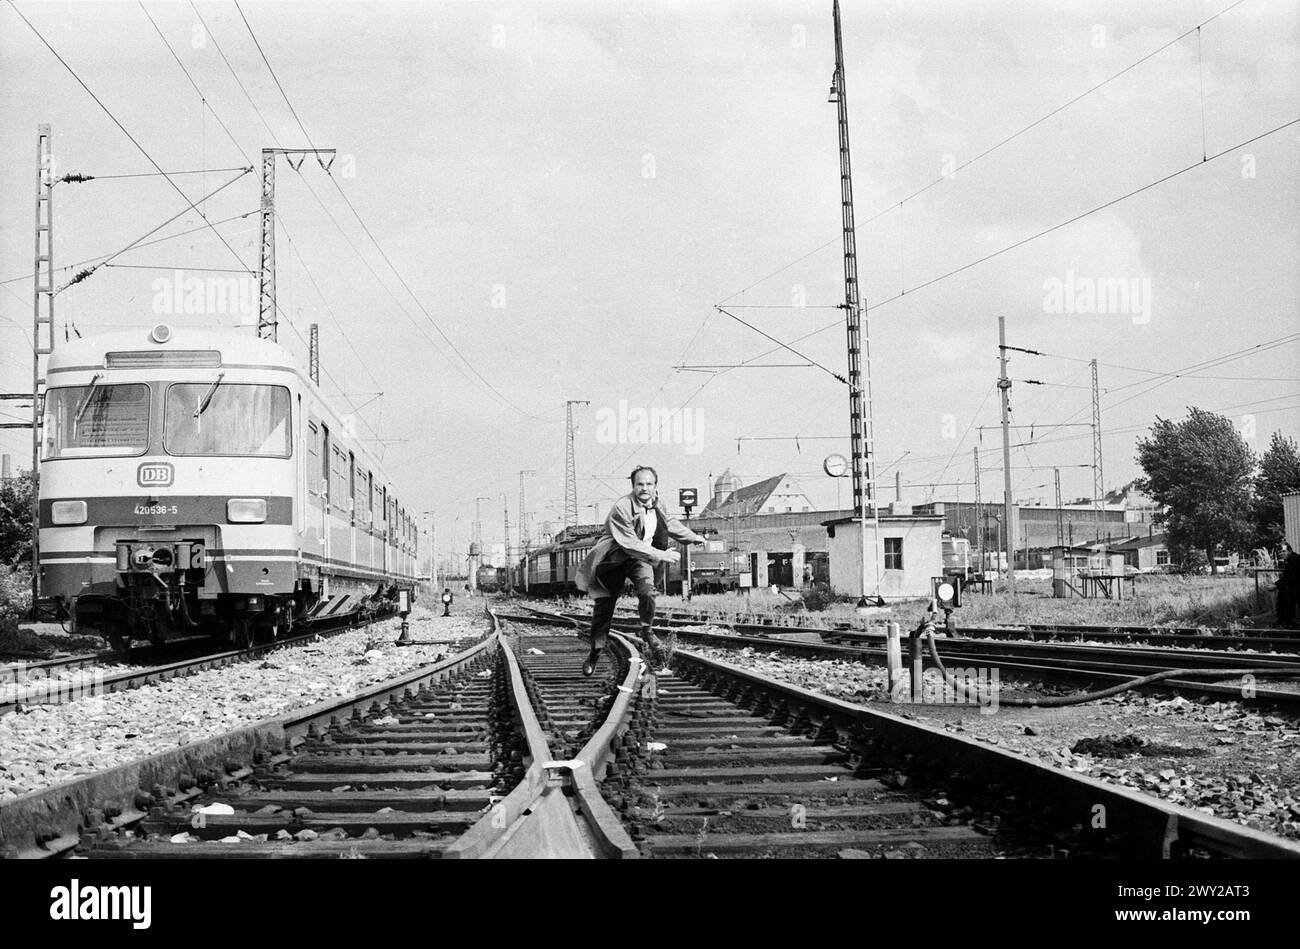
<point>861,427</point>
<point>313,354</point>
<point>570,469</point>
<point>1097,480</point>
<point>267,322</point>
<point>525,541</point>
<point>42,324</point>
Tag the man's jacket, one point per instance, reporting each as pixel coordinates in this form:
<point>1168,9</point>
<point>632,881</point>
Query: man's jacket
<point>621,540</point>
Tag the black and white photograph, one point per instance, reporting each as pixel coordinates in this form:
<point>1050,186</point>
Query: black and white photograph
<point>675,430</point>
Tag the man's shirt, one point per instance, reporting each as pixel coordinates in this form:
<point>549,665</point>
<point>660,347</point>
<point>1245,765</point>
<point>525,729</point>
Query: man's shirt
<point>649,523</point>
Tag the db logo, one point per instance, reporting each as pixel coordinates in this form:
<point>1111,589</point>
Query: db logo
<point>154,474</point>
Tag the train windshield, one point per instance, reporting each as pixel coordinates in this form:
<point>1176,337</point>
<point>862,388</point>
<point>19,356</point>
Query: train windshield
<point>225,418</point>
<point>96,420</point>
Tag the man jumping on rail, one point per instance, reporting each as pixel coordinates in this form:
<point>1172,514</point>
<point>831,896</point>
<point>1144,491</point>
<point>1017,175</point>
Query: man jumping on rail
<point>633,544</point>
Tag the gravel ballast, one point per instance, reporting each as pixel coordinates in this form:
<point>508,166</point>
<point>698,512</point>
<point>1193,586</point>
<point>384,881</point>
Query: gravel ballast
<point>1221,758</point>
<point>41,746</point>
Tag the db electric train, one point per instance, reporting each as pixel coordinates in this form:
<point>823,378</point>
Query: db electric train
<point>550,570</point>
<point>195,481</point>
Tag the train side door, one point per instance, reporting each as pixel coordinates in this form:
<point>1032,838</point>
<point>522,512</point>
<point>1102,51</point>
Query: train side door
<point>352,508</point>
<point>327,455</point>
<point>369,480</point>
<point>383,528</point>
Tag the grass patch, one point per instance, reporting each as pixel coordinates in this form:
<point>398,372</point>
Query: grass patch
<point>1160,600</point>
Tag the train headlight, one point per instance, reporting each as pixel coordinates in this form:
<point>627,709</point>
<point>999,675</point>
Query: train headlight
<point>161,333</point>
<point>68,512</point>
<point>246,510</point>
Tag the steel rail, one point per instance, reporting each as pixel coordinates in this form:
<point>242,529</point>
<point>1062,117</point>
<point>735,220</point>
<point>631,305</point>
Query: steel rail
<point>1158,828</point>
<point>537,819</point>
<point>49,822</point>
<point>1282,639</point>
<point>1044,668</point>
<point>57,692</point>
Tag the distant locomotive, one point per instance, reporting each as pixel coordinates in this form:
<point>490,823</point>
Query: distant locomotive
<point>194,480</point>
<point>956,557</point>
<point>492,579</point>
<point>550,570</point>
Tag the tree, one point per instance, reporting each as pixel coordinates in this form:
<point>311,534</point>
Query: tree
<point>1279,474</point>
<point>16,518</point>
<point>1199,470</point>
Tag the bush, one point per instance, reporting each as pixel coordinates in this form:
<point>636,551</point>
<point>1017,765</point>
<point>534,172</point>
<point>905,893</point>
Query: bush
<point>15,597</point>
<point>820,597</point>
<point>1194,562</point>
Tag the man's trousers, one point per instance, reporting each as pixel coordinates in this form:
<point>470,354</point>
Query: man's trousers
<point>611,577</point>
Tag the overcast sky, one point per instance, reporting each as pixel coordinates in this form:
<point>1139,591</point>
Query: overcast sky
<point>570,188</point>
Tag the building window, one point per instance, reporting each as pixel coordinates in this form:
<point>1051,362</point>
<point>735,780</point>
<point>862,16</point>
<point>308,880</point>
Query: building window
<point>893,553</point>
<point>1162,558</point>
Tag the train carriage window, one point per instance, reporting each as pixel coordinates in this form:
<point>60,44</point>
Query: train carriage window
<point>216,418</point>
<point>96,420</point>
<point>370,497</point>
<point>352,483</point>
<point>326,448</point>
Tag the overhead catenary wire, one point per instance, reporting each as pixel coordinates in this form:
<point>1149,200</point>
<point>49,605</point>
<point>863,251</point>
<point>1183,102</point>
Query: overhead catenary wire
<point>202,98</point>
<point>109,112</point>
<point>1006,141</point>
<point>981,155</point>
<point>279,220</point>
<point>83,274</point>
<point>75,178</point>
<point>479,376</point>
<point>1065,105</point>
<point>159,240</point>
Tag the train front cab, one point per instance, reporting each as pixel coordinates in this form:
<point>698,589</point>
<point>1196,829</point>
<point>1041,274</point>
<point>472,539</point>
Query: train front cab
<point>147,528</point>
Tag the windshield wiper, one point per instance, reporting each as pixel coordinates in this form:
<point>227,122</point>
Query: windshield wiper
<point>207,397</point>
<point>85,404</point>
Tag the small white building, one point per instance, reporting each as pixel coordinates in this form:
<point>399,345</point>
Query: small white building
<point>911,548</point>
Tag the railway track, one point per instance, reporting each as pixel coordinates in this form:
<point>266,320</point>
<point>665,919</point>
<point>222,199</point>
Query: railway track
<point>446,761</point>
<point>1082,666</point>
<point>42,684</point>
<point>1276,640</point>
<point>506,750</point>
<point>733,764</point>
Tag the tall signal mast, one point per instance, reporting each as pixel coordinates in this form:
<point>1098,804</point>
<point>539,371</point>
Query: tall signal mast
<point>861,428</point>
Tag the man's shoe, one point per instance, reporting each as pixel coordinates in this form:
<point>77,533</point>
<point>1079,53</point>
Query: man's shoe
<point>654,649</point>
<point>589,665</point>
